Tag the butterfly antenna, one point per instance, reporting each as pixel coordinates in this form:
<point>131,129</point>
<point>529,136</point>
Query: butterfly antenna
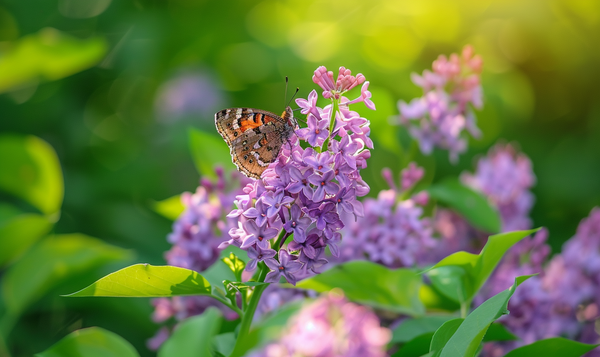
<point>292,98</point>
<point>286,85</point>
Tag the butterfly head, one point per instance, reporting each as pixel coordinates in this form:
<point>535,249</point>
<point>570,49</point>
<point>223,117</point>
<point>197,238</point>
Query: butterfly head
<point>288,116</point>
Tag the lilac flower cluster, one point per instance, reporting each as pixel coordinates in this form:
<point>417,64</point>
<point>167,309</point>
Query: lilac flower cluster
<point>505,177</point>
<point>438,118</point>
<point>334,327</point>
<point>304,192</point>
<point>392,232</point>
<point>196,236</point>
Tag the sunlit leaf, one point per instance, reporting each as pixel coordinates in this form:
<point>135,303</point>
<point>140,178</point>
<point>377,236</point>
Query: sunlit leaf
<point>91,342</point>
<point>235,264</point>
<point>471,204</point>
<point>51,262</point>
<point>19,233</point>
<point>372,284</point>
<point>29,169</point>
<point>208,151</point>
<point>145,280</point>
<point>443,334</point>
<point>552,347</point>
<point>469,334</point>
<point>194,336</point>
<point>48,54</point>
<point>170,208</point>
<point>478,267</point>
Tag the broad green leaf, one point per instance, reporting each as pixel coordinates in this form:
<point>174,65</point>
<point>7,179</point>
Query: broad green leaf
<point>474,206</point>
<point>469,335</point>
<point>170,208</point>
<point>145,280</point>
<point>498,332</point>
<point>19,233</point>
<point>412,328</point>
<point>48,54</point>
<point>433,300</point>
<point>91,342</point>
<point>224,343</point>
<point>416,347</point>
<point>552,347</point>
<point>443,335</point>
<point>29,169</point>
<point>193,337</point>
<point>208,151</point>
<point>450,281</point>
<point>52,261</point>
<point>478,267</point>
<point>372,284</point>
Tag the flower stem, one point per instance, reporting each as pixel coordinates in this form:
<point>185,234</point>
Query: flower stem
<point>241,344</point>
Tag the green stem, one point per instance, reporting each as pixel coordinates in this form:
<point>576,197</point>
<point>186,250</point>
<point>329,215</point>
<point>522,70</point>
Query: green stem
<point>331,122</point>
<point>241,345</point>
<point>228,304</point>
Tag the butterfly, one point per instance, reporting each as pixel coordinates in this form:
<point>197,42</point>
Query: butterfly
<point>254,136</point>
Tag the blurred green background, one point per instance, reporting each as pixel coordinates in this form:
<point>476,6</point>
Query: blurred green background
<point>113,87</point>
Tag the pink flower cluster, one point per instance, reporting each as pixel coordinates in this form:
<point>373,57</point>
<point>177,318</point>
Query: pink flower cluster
<point>333,327</point>
<point>439,117</point>
<point>304,192</point>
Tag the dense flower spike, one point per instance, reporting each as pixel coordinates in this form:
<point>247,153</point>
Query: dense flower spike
<point>304,192</point>
<point>332,327</point>
<point>438,118</point>
<point>196,235</point>
<point>392,231</point>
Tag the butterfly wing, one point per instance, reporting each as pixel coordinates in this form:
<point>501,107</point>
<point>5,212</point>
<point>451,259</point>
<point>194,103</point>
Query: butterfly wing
<point>254,136</point>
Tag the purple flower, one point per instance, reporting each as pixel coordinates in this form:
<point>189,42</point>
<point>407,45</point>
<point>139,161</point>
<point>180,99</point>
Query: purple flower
<point>257,235</point>
<point>410,176</point>
<point>258,255</point>
<point>297,224</point>
<point>309,105</point>
<point>275,201</point>
<point>258,212</point>
<point>438,118</point>
<point>309,246</point>
<point>345,81</point>
<point>345,149</point>
<point>346,201</point>
<point>300,182</point>
<point>324,215</point>
<point>286,266</point>
<point>324,185</point>
<point>319,162</point>
<point>317,131</point>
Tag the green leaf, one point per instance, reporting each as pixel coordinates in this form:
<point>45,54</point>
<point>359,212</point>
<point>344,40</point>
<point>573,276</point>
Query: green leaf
<point>52,261</point>
<point>48,54</point>
<point>372,284</point>
<point>469,335</point>
<point>19,233</point>
<point>416,347</point>
<point>208,151</point>
<point>193,337</point>
<point>412,328</point>
<point>235,264</point>
<point>170,208</point>
<point>443,335</point>
<point>450,281</point>
<point>219,272</point>
<point>478,267</point>
<point>224,343</point>
<point>91,342</point>
<point>498,332</point>
<point>552,347</point>
<point>145,280</point>
<point>29,169</point>
<point>474,206</point>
